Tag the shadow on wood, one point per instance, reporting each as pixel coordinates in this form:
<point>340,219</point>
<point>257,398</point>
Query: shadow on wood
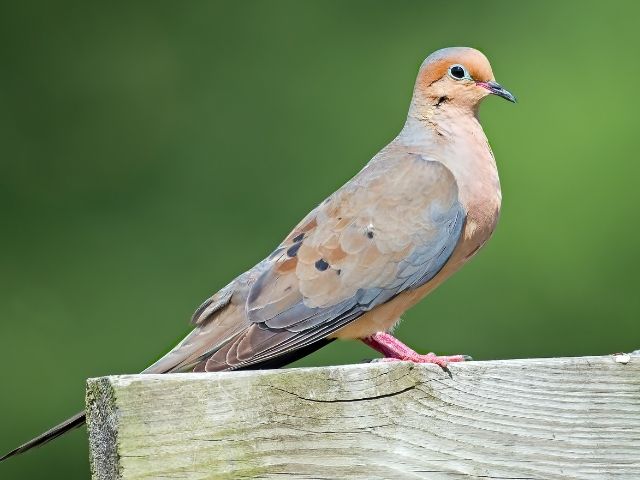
<point>525,419</point>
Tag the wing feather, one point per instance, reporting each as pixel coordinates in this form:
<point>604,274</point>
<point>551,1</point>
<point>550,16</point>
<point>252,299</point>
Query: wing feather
<point>390,229</point>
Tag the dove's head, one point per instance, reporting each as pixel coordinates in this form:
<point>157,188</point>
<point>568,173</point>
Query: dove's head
<point>458,77</point>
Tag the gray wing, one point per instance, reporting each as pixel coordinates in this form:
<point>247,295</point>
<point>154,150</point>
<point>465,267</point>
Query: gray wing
<point>387,231</point>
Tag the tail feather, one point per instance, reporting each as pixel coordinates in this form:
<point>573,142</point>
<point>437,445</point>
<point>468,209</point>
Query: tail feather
<point>79,419</point>
<point>193,349</point>
<point>164,365</point>
<point>69,424</point>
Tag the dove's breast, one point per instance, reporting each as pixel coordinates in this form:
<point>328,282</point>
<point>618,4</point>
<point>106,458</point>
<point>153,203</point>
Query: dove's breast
<point>480,194</point>
<point>474,169</point>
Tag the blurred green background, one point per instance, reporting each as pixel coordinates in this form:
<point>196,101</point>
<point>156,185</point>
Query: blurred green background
<point>151,151</point>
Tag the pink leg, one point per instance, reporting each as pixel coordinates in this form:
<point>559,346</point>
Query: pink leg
<point>394,350</point>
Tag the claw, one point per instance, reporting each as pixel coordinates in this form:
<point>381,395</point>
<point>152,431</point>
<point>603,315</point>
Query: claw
<point>396,351</point>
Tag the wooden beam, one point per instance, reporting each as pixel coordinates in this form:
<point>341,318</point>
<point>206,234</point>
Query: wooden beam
<point>514,419</point>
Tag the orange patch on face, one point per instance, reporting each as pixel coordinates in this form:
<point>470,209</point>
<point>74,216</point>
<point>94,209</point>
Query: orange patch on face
<point>434,72</point>
<point>437,65</point>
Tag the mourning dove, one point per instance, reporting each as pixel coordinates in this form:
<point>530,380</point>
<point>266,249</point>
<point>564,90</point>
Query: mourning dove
<point>419,210</point>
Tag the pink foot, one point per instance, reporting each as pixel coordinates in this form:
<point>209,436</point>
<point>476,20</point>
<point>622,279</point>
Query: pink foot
<point>394,350</point>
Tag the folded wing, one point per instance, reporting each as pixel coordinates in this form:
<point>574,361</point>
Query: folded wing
<point>388,230</point>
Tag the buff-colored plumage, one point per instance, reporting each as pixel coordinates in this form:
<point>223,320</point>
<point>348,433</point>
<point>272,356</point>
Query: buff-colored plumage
<point>414,214</point>
<point>410,218</point>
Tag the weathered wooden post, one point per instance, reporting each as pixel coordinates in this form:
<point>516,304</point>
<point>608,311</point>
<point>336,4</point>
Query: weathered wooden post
<point>527,419</point>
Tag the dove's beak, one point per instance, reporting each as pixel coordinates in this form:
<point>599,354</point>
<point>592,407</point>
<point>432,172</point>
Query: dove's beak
<point>496,89</point>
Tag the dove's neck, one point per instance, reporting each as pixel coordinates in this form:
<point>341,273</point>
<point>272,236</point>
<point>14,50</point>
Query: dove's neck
<point>454,137</point>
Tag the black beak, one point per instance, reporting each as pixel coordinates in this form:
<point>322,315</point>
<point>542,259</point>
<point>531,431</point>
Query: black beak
<point>496,89</point>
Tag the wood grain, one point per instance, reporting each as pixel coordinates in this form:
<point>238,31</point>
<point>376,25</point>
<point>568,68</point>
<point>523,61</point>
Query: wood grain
<point>515,419</point>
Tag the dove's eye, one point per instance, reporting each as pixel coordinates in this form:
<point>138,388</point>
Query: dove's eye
<point>458,72</point>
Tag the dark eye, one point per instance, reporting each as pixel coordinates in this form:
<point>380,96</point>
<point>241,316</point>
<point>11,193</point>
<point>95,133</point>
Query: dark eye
<point>458,72</point>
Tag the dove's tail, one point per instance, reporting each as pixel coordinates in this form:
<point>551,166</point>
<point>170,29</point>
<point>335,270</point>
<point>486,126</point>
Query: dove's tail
<point>69,424</point>
<point>79,419</point>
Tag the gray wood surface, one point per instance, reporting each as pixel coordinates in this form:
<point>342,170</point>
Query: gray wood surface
<point>514,419</point>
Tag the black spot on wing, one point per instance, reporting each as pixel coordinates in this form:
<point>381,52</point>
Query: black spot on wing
<point>292,251</point>
<point>322,265</point>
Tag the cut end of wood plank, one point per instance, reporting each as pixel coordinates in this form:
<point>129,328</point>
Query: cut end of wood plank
<point>102,428</point>
<point>535,418</point>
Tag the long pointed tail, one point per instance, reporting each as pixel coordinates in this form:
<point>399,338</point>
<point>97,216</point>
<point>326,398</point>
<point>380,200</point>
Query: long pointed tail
<point>69,424</point>
<point>79,419</point>
<point>164,365</point>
